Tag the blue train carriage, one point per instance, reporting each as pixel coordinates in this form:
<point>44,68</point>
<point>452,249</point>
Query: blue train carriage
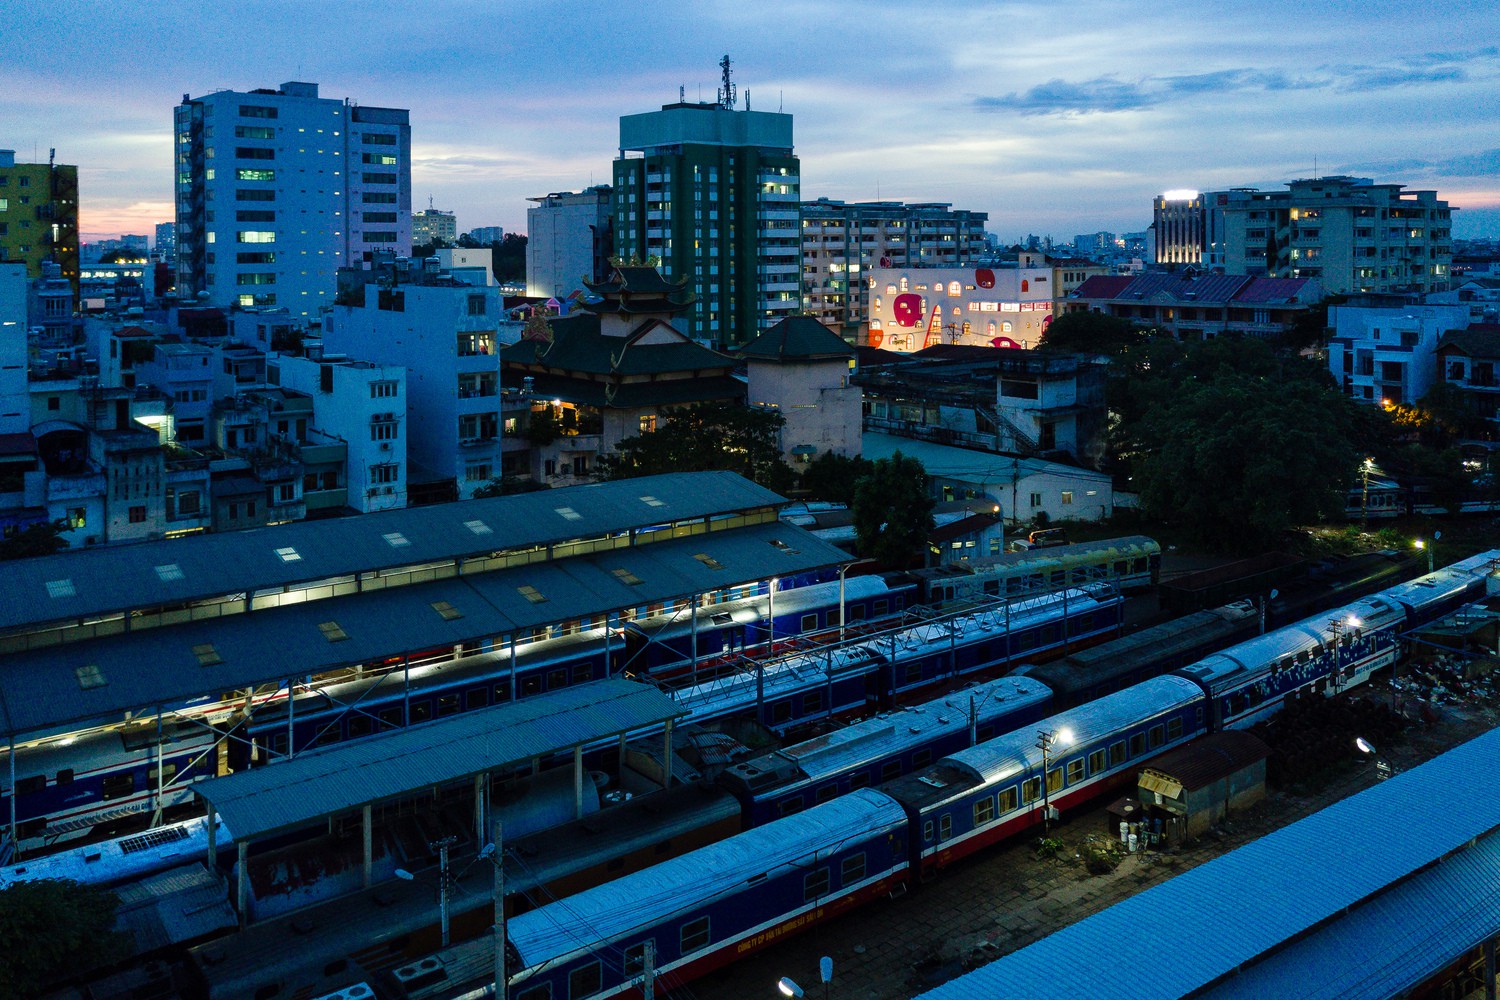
<point>1119,663</point>
<point>708,908</point>
<point>1130,563</point>
<point>1430,597</point>
<point>788,691</point>
<point>1324,654</point>
<point>123,859</point>
<point>880,748</point>
<point>660,643</point>
<point>67,785</point>
<point>987,793</point>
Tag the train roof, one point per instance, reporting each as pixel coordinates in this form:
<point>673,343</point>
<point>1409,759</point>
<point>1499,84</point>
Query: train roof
<point>889,732</point>
<point>163,666</point>
<point>1046,556</point>
<point>1449,583</point>
<point>751,609</point>
<point>591,919</point>
<point>1016,754</point>
<point>293,793</point>
<point>781,676</point>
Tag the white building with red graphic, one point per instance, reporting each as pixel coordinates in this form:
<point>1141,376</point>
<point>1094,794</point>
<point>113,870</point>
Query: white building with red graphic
<point>914,308</point>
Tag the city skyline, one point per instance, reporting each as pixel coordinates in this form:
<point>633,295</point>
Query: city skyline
<point>1052,123</point>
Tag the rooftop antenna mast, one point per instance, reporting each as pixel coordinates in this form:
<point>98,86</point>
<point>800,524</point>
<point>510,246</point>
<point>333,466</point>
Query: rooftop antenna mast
<point>726,93</point>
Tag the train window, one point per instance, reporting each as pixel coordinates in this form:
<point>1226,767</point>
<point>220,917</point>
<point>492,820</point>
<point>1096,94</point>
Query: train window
<point>635,958</point>
<point>31,785</point>
<point>852,870</point>
<point>531,685</point>
<point>992,588</point>
<point>927,832</point>
<point>814,885</point>
<point>879,607</point>
<point>1049,635</point>
<point>585,981</point>
<point>791,805</point>
<point>1120,567</point>
<point>557,678</point>
<point>945,827</point>
<point>828,792</point>
<point>542,991</point>
<point>984,811</point>
<point>447,704</point>
<point>360,725</point>
<point>694,935</point>
<point>812,702</point>
<point>1025,640</point>
<point>890,769</point>
<point>421,711</point>
<point>1031,790</point>
<point>922,757</point>
<point>118,785</point>
<point>1058,577</point>
<point>1096,761</point>
<point>333,734</point>
<point>1137,744</point>
<point>1117,754</point>
<point>391,717</point>
<point>912,673</point>
<point>1158,734</point>
<point>502,692</point>
<point>1075,771</point>
<point>1138,565</point>
<point>1055,779</point>
<point>809,623</point>
<point>277,743</point>
<point>1199,715</point>
<point>583,672</point>
<point>859,779</point>
<point>166,779</point>
<point>1006,800</point>
<point>1174,729</point>
<point>781,712</point>
<point>474,699</point>
<point>65,776</point>
<point>1083,623</point>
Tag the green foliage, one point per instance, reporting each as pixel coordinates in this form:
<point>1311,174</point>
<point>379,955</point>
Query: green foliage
<point>1048,847</point>
<point>40,539</point>
<point>1441,471</point>
<point>1100,857</point>
<point>893,511</point>
<point>52,929</point>
<point>704,437</point>
<point>833,477</point>
<point>1231,441</point>
<point>543,427</point>
<point>1447,418</point>
<point>1310,328</point>
<point>509,258</point>
<point>1090,333</point>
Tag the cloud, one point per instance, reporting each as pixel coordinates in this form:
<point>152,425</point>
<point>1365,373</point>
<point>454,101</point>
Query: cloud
<point>1103,93</point>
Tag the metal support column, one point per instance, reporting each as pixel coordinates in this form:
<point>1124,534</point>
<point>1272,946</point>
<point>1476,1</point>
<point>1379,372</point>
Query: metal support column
<point>578,782</point>
<point>369,847</point>
<point>498,860</point>
<point>213,836</point>
<point>481,785</point>
<point>15,845</point>
<point>1489,969</point>
<point>405,690</point>
<point>291,714</point>
<point>667,758</point>
<point>242,890</point>
<point>161,769</point>
<point>514,680</point>
<point>695,637</point>
<point>621,768</point>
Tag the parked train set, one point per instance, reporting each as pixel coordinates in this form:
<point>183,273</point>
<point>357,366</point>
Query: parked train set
<point>784,678</point>
<point>860,812</point>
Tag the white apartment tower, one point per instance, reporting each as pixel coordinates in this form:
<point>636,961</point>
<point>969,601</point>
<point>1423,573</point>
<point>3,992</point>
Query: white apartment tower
<point>278,189</point>
<point>568,240</point>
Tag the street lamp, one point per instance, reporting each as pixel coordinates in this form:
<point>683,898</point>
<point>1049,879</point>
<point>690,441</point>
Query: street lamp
<point>788,988</point>
<point>441,846</point>
<point>1420,544</point>
<point>825,972</point>
<point>842,570</point>
<point>1365,469</point>
<point>1383,767</point>
<point>1045,741</point>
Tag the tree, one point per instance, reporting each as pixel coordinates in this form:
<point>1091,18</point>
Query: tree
<point>893,511</point>
<point>52,929</point>
<point>1234,442</point>
<point>704,437</point>
<point>509,259</point>
<point>1090,333</point>
<point>833,477</point>
<point>40,539</point>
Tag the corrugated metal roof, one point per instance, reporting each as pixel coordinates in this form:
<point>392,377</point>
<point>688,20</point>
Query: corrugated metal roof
<point>1271,290</point>
<point>1269,892</point>
<point>1210,758</point>
<point>948,462</point>
<point>112,578</point>
<point>305,789</point>
<point>41,688</point>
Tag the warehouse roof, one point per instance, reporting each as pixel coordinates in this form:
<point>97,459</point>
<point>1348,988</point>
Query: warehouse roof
<point>1269,893</point>
<point>323,783</point>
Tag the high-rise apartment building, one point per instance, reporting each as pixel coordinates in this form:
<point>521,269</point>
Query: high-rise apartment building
<point>569,240</point>
<point>39,215</point>
<point>714,193</point>
<point>278,189</point>
<point>166,241</point>
<point>1177,220</point>
<point>1350,234</point>
<point>842,242</point>
<point>433,224</point>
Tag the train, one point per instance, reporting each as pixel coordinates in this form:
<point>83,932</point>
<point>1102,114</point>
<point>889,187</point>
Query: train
<point>984,791</point>
<point>1130,563</point>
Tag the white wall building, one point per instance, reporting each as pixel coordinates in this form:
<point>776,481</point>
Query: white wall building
<point>913,308</point>
<point>15,401</point>
<point>447,337</point>
<point>1381,355</point>
<point>567,240</point>
<point>472,267</point>
<point>800,369</point>
<point>277,189</point>
<point>364,405</point>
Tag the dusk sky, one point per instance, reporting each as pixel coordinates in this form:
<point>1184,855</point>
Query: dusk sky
<point>1055,118</point>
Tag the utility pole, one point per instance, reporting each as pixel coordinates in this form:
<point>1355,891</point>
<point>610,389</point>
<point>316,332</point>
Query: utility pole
<point>648,971</point>
<point>442,849</point>
<point>497,858</point>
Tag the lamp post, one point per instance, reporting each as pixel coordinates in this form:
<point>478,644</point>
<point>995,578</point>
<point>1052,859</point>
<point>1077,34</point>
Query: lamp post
<point>788,987</point>
<point>842,570</point>
<point>441,846</point>
<point>1364,507</point>
<point>1045,741</point>
<point>1383,767</point>
<point>1421,543</point>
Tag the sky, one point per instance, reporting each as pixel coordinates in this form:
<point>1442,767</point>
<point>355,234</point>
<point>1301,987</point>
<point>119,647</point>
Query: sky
<point>1055,118</point>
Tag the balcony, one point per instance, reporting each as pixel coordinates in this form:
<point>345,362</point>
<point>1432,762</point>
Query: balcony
<point>325,499</point>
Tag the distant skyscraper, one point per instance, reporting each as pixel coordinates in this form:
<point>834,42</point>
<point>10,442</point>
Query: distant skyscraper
<point>277,189</point>
<point>714,193</point>
<point>433,224</point>
<point>1177,219</point>
<point>487,234</point>
<point>569,239</point>
<point>39,215</point>
<point>166,241</point>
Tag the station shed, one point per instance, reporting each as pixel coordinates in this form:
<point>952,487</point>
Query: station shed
<point>355,777</point>
<point>1195,786</point>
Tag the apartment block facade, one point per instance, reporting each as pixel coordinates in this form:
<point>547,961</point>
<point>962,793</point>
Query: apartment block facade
<point>39,216</point>
<point>278,189</point>
<point>843,242</point>
<point>569,240</point>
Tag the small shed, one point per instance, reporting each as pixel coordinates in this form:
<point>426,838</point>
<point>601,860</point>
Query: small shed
<point>1195,786</point>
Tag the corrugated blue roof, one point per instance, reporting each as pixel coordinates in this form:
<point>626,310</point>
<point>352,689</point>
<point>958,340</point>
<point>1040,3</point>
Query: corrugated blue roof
<point>1257,898</point>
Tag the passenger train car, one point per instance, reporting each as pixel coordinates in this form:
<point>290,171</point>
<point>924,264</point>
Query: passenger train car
<point>1130,563</point>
